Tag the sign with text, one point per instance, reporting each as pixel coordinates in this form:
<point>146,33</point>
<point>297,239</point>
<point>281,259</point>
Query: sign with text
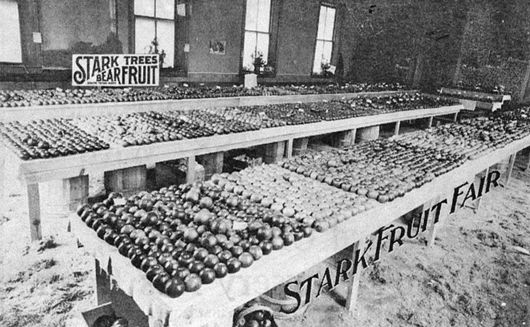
<point>115,70</point>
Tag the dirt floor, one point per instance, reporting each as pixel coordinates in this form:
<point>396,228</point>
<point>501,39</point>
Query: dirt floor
<point>476,275</point>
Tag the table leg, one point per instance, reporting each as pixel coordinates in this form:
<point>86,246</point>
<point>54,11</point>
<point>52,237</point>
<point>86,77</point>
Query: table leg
<point>3,184</point>
<point>429,124</point>
<point>289,149</point>
<point>527,166</point>
<point>509,169</point>
<point>34,211</point>
<point>101,284</point>
<point>396,128</point>
<point>436,222</point>
<point>353,288</point>
<point>455,117</point>
<point>190,174</point>
<point>484,175</point>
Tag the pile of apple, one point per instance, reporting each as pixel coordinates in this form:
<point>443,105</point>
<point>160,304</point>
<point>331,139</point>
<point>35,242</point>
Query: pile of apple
<point>471,138</point>
<point>47,139</point>
<point>247,115</point>
<point>381,170</point>
<point>142,128</point>
<point>186,236</point>
<point>295,196</point>
<point>344,88</point>
<point>214,121</point>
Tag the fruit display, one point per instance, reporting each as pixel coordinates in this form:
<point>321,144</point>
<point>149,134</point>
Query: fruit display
<point>186,236</point>
<point>471,138</point>
<point>59,96</point>
<point>380,169</point>
<point>247,115</point>
<point>344,88</point>
<point>214,121</point>
<point>142,128</point>
<point>476,93</point>
<point>47,139</point>
<point>296,196</point>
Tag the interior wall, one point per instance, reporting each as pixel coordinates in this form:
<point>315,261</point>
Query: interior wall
<point>219,20</point>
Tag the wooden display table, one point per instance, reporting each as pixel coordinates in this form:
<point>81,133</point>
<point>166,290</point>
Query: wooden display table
<point>80,110</point>
<point>33,172</point>
<point>473,100</point>
<point>213,304</point>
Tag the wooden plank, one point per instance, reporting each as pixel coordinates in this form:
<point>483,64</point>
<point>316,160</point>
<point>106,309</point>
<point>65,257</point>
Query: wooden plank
<point>34,171</point>
<point>194,309</point>
<point>483,174</point>
<point>352,292</point>
<point>34,211</point>
<point>300,145</point>
<point>101,284</point>
<point>3,182</point>
<point>368,133</point>
<point>289,149</point>
<point>83,110</point>
<point>509,169</point>
<point>396,128</point>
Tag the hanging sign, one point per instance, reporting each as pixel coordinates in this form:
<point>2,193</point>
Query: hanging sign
<point>115,70</point>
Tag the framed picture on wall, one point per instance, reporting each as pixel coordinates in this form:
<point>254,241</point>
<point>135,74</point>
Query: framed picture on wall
<point>217,47</point>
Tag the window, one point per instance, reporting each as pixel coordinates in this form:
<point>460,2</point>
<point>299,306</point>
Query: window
<point>324,44</point>
<point>257,32</point>
<point>155,19</point>
<point>11,47</point>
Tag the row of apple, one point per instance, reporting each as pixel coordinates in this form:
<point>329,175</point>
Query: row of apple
<point>59,96</point>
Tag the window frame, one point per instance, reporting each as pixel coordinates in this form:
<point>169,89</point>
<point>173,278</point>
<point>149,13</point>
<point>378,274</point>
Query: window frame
<point>132,34</point>
<point>244,30</point>
<point>333,38</point>
<point>22,40</point>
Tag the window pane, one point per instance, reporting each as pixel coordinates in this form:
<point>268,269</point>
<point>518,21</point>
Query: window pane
<point>263,45</point>
<point>144,34</point>
<point>318,57</point>
<point>165,9</point>
<point>10,49</point>
<point>251,21</point>
<point>326,52</point>
<point>264,15</point>
<point>249,50</point>
<point>330,23</point>
<point>144,7</point>
<point>166,41</point>
<point>321,22</point>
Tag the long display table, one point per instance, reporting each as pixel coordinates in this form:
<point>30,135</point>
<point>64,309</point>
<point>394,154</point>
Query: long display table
<point>33,172</point>
<point>213,304</point>
<point>78,110</point>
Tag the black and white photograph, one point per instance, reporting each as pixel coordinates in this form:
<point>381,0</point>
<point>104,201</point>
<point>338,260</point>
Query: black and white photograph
<point>264,163</point>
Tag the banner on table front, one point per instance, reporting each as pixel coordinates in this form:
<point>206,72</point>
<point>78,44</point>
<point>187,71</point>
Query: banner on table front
<point>115,70</point>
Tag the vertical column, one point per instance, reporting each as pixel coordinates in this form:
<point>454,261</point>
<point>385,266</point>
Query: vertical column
<point>509,169</point>
<point>455,117</point>
<point>396,128</point>
<point>300,146</point>
<point>190,174</point>
<point>289,149</point>
<point>437,221</point>
<point>482,174</point>
<point>34,211</point>
<point>527,166</point>
<point>101,284</point>
<point>3,183</point>
<point>353,288</point>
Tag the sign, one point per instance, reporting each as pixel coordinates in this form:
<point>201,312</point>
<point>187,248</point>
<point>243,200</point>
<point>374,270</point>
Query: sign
<point>388,238</point>
<point>115,70</point>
